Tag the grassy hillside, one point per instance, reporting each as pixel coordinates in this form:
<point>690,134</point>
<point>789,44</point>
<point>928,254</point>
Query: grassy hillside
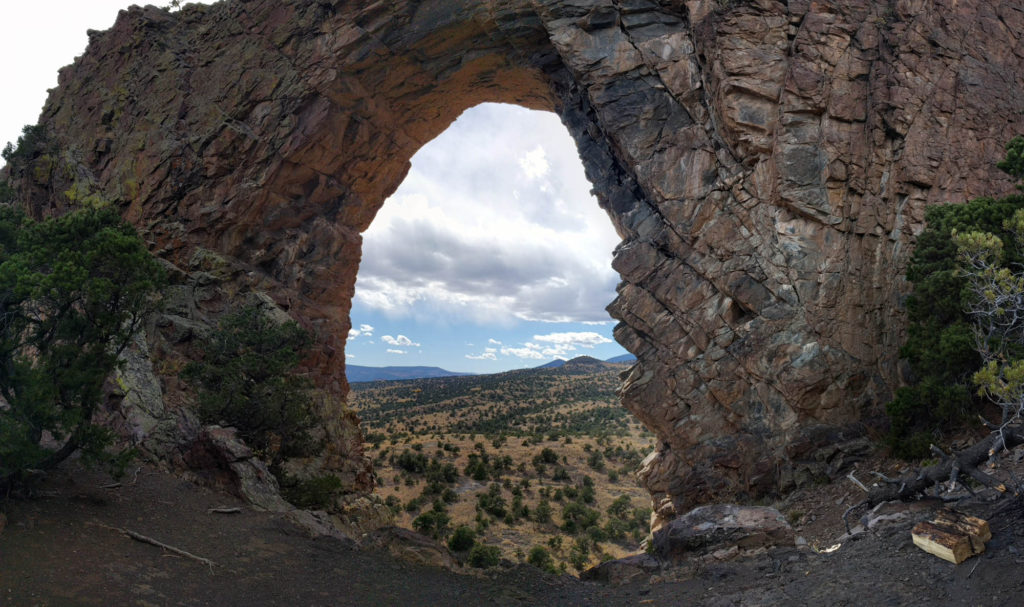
<point>538,463</point>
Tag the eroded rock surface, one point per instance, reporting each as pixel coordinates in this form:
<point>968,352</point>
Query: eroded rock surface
<point>766,163</point>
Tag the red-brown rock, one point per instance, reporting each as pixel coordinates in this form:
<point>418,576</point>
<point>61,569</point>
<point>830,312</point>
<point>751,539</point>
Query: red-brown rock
<point>766,163</point>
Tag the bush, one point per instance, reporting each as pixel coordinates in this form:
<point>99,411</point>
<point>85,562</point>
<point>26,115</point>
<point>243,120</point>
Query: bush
<point>940,346</point>
<point>247,380</point>
<point>73,291</point>
<point>492,502</point>
<point>484,557</point>
<point>542,513</point>
<point>316,493</point>
<point>462,539</point>
<point>432,522</point>
<point>540,558</point>
<point>577,518</point>
<point>409,461</point>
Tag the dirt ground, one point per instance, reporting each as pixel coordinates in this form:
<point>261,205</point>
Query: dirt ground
<point>64,547</point>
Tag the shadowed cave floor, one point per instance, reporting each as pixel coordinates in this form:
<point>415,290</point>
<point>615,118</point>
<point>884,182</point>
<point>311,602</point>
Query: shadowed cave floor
<point>59,549</point>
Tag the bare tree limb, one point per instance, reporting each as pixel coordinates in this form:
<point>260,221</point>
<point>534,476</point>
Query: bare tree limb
<point>224,510</point>
<point>966,462</point>
<point>148,540</point>
<point>857,482</point>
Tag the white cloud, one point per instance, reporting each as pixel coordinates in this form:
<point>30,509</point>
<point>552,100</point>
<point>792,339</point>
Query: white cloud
<point>556,345</point>
<point>494,341</point>
<point>584,339</point>
<point>484,356</point>
<point>390,351</point>
<point>527,352</point>
<point>455,242</point>
<point>534,164</point>
<point>364,329</point>
<point>401,340</point>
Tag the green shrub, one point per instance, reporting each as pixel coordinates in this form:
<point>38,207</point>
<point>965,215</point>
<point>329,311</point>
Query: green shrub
<point>433,522</point>
<point>540,558</point>
<point>492,502</point>
<point>247,379</point>
<point>462,539</point>
<point>73,291</point>
<point>316,493</point>
<point>940,346</point>
<point>542,513</point>
<point>577,518</point>
<point>483,557</point>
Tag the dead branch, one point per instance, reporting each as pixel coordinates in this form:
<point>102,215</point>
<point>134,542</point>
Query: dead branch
<point>224,510</point>
<point>950,467</point>
<point>148,540</point>
<point>857,482</point>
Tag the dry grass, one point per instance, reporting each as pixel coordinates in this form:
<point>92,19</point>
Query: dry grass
<point>574,414</point>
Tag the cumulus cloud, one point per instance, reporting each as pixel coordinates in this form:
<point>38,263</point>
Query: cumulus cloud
<point>556,345</point>
<point>484,356</point>
<point>494,341</point>
<point>401,340</point>
<point>585,339</point>
<point>390,351</point>
<point>456,241</point>
<point>524,352</point>
<point>534,163</point>
<point>364,329</point>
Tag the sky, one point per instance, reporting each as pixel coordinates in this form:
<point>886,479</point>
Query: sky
<point>492,254</point>
<point>37,38</point>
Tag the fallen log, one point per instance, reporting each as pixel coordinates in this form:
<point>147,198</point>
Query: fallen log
<point>949,468</point>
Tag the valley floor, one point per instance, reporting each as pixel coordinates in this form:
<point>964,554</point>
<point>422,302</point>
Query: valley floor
<point>62,548</point>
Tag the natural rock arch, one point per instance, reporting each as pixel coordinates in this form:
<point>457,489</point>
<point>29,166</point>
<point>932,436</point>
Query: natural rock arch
<point>766,163</point>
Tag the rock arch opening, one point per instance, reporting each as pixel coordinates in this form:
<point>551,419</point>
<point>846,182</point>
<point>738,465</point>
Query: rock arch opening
<point>492,239</point>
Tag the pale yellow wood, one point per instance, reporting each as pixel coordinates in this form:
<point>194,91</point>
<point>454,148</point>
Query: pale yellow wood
<point>973,526</point>
<point>953,536</point>
<point>933,539</point>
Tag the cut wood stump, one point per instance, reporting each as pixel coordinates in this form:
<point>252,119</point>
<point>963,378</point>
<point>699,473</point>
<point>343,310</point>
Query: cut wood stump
<point>952,536</point>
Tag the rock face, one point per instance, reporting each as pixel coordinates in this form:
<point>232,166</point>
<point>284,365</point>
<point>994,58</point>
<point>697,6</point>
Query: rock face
<point>766,163</point>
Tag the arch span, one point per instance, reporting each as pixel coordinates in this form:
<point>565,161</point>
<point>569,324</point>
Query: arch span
<point>765,163</point>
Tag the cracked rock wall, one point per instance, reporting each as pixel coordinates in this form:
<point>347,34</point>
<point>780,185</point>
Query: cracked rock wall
<point>766,163</point>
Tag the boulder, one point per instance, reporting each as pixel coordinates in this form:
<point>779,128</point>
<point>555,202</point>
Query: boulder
<point>722,529</point>
<point>220,458</point>
<point>623,571</point>
<point>409,546</point>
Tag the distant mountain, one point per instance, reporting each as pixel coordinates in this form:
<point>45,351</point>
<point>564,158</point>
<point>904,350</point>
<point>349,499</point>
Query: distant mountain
<point>624,358</point>
<point>356,373</point>
<point>586,362</point>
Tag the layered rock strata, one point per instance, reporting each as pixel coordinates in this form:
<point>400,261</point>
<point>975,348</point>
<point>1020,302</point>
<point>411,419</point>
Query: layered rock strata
<point>767,165</point>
